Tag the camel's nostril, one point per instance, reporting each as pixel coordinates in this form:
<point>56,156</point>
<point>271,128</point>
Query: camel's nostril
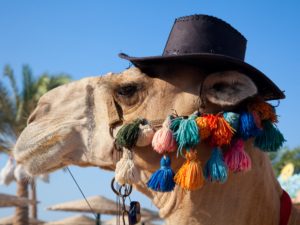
<point>41,110</point>
<point>31,118</point>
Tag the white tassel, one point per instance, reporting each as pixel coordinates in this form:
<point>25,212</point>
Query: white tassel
<point>126,172</point>
<point>145,136</point>
<point>7,172</point>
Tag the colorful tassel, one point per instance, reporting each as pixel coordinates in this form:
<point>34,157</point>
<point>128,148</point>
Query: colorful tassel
<point>264,110</point>
<point>203,127</point>
<point>128,134</point>
<point>163,140</point>
<point>145,135</point>
<point>175,123</point>
<point>215,168</point>
<point>232,118</point>
<point>187,134</point>
<point>270,139</point>
<point>126,172</point>
<point>190,176</point>
<point>257,120</point>
<point>223,132</point>
<point>212,121</point>
<point>236,158</point>
<point>163,179</point>
<point>247,128</point>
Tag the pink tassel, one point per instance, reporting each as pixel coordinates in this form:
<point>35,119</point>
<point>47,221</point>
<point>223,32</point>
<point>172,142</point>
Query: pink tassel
<point>236,158</point>
<point>163,140</point>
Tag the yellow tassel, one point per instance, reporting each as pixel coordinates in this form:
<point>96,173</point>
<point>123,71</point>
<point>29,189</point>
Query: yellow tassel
<point>190,176</point>
<point>204,128</point>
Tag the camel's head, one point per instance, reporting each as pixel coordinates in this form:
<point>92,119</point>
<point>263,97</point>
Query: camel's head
<point>77,122</point>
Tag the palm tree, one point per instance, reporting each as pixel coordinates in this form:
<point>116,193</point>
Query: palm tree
<point>15,108</point>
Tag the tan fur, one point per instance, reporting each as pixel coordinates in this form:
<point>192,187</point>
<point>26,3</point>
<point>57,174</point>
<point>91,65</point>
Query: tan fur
<point>71,123</point>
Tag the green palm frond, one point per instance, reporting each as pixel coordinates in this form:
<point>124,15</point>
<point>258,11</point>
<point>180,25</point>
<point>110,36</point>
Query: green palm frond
<point>28,83</point>
<point>7,112</point>
<point>7,139</point>
<point>47,82</point>
<point>8,72</point>
<point>58,80</point>
<point>15,110</point>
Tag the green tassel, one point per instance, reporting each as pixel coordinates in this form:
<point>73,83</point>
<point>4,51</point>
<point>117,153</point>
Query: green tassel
<point>175,123</point>
<point>187,133</point>
<point>270,139</point>
<point>232,118</point>
<point>127,136</point>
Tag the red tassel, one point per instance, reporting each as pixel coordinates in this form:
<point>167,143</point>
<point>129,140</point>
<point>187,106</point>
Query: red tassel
<point>236,158</point>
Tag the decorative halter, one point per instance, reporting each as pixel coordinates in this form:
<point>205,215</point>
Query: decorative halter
<point>225,132</point>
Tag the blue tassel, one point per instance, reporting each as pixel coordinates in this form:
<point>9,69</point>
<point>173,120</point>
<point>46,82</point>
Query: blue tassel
<point>215,168</point>
<point>270,139</point>
<point>187,134</point>
<point>247,126</point>
<point>162,180</point>
<point>232,118</point>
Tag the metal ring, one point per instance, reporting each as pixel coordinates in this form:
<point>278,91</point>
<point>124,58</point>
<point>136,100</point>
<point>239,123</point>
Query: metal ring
<point>112,184</point>
<point>127,190</point>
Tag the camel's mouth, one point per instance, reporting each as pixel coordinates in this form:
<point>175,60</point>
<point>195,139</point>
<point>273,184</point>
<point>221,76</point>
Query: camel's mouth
<point>44,158</point>
<point>42,153</point>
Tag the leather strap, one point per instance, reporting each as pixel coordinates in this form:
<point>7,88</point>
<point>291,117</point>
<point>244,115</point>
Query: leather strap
<point>114,116</point>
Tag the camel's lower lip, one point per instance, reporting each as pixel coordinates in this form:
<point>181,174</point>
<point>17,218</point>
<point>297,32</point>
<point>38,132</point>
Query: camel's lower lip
<point>34,172</point>
<point>43,162</point>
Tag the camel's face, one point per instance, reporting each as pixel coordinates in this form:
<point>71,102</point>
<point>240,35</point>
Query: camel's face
<point>72,123</point>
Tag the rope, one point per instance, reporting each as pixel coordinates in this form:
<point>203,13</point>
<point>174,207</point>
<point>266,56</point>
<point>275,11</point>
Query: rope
<point>87,202</point>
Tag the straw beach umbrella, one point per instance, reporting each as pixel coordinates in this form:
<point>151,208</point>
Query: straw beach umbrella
<point>9,221</point>
<point>74,220</point>
<point>99,204</point>
<point>13,201</point>
<point>144,221</point>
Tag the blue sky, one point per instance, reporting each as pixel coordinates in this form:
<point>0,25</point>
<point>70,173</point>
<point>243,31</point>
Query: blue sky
<point>83,38</point>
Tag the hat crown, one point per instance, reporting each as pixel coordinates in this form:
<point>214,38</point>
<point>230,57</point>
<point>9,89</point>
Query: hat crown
<point>205,34</point>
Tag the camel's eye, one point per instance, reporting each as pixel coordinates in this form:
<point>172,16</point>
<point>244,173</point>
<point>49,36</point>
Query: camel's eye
<point>129,95</point>
<point>127,90</point>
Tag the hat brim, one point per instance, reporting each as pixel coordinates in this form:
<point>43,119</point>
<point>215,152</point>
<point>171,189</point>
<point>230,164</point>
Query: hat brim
<point>154,65</point>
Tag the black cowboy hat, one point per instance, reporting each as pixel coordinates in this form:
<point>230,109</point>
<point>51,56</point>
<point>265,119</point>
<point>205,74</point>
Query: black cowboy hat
<point>210,43</point>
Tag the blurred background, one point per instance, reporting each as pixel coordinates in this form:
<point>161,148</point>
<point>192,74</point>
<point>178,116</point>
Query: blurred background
<point>41,41</point>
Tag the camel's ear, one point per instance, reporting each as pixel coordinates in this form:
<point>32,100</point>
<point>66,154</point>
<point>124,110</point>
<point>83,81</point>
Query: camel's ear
<point>228,88</point>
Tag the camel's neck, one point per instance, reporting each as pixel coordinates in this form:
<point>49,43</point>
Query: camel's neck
<point>246,198</point>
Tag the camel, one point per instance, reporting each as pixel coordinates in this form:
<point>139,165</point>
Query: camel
<point>202,69</point>
<point>72,125</point>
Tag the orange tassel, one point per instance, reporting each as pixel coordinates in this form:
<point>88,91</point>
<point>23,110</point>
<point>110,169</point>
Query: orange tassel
<point>190,176</point>
<point>212,121</point>
<point>223,132</point>
<point>264,110</point>
<point>204,128</point>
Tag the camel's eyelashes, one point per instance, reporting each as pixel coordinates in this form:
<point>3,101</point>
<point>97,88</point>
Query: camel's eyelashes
<point>127,90</point>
